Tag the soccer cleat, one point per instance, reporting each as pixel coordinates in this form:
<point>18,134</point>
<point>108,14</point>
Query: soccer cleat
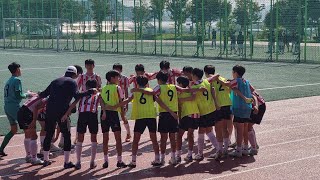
<point>245,152</point>
<point>37,161</point>
<point>128,138</point>
<point>253,152</point>
<point>199,157</point>
<point>77,166</point>
<point>68,165</point>
<point>61,145</point>
<point>173,161</point>
<point>233,145</point>
<point>163,162</point>
<point>28,159</point>
<point>257,146</point>
<point>235,153</point>
<point>178,159</point>
<point>188,159</point>
<point>121,165</point>
<point>54,148</point>
<point>46,163</point>
<point>132,164</point>
<point>217,156</point>
<point>105,164</point>
<point>93,165</point>
<point>156,163</point>
<point>3,154</point>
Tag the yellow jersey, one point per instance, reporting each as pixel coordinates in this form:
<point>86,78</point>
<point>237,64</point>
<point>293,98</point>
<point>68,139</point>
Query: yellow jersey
<point>169,96</point>
<point>143,106</point>
<point>188,107</point>
<point>110,95</point>
<point>204,99</point>
<point>222,92</point>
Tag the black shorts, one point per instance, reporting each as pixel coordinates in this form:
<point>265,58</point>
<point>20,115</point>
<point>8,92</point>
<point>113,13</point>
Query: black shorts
<point>87,119</point>
<point>141,124</point>
<point>224,113</point>
<point>112,121</point>
<point>42,116</point>
<point>257,118</point>
<point>167,124</point>
<point>207,120</point>
<point>187,123</point>
<point>25,117</point>
<point>241,120</point>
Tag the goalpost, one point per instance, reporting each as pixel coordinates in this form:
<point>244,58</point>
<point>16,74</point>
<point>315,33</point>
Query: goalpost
<point>33,33</point>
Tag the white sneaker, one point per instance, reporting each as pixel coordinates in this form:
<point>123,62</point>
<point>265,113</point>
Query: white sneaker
<point>54,148</point>
<point>173,161</point>
<point>28,159</point>
<point>216,156</point>
<point>245,152</point>
<point>198,157</point>
<point>236,153</point>
<point>37,161</point>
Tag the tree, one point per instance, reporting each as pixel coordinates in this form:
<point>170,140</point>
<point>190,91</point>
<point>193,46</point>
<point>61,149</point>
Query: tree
<point>157,8</point>
<point>141,14</point>
<point>100,11</point>
<point>178,11</point>
<point>242,12</point>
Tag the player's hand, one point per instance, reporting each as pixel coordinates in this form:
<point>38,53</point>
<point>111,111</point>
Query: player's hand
<point>255,110</point>
<point>64,118</point>
<point>103,117</point>
<point>249,100</point>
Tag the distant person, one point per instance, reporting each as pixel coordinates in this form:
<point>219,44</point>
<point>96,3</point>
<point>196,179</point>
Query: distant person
<point>233,43</point>
<point>225,42</point>
<point>240,41</point>
<point>214,38</point>
<point>286,40</point>
<point>281,43</point>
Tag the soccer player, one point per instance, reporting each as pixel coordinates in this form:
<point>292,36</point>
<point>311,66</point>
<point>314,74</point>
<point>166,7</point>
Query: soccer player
<point>12,97</point>
<point>88,117</point>
<point>124,84</point>
<point>172,73</point>
<point>139,68</point>
<point>189,117</point>
<point>28,123</point>
<point>144,112</point>
<point>223,123</point>
<point>111,95</point>
<point>241,109</point>
<point>187,71</point>
<point>89,75</point>
<point>60,92</point>
<point>207,108</point>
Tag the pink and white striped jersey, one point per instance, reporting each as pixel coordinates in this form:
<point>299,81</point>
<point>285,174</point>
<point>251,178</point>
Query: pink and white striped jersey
<point>124,83</point>
<point>133,79</point>
<point>33,102</point>
<point>259,97</point>
<point>83,78</point>
<point>89,103</point>
<point>173,74</point>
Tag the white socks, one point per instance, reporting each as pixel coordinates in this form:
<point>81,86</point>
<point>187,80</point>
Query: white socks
<point>162,157</point>
<point>27,146</point>
<point>93,151</point>
<point>226,143</point>
<point>213,139</point>
<point>78,151</point>
<point>119,158</point>
<point>46,155</point>
<point>134,158</point>
<point>179,153</point>
<point>33,149</point>
<point>189,153</point>
<point>66,156</point>
<point>200,144</point>
<point>106,158</point>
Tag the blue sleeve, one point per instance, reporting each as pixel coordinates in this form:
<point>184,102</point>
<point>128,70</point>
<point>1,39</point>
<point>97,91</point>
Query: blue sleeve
<point>18,89</point>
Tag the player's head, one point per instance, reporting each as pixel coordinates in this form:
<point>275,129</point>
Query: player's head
<point>183,81</point>
<point>91,84</point>
<point>14,68</point>
<point>89,63</point>
<point>187,71</point>
<point>118,67</point>
<point>197,74</point>
<point>209,70</point>
<point>79,69</point>
<point>71,72</point>
<point>142,81</point>
<point>238,71</point>
<point>164,65</point>
<point>162,77</point>
<point>139,69</point>
<point>113,76</point>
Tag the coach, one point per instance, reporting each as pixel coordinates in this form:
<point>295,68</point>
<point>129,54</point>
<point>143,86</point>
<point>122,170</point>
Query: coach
<point>60,92</point>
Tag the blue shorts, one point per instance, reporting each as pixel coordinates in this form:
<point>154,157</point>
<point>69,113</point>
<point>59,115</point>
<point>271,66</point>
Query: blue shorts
<point>11,111</point>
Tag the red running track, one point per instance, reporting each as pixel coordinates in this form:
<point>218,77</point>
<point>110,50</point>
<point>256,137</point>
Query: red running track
<point>289,140</point>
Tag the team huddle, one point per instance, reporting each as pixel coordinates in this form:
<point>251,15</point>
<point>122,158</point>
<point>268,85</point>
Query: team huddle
<point>183,101</point>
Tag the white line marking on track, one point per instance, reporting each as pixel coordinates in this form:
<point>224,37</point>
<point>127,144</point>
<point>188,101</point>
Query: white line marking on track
<point>264,167</point>
<point>285,87</point>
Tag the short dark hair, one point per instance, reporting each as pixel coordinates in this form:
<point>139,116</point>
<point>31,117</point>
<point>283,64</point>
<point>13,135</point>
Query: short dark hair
<point>162,76</point>
<point>91,84</point>
<point>89,62</point>
<point>209,69</point>
<point>184,81</point>
<point>142,81</point>
<point>112,74</point>
<point>79,69</point>
<point>198,72</point>
<point>164,65</point>
<point>139,67</point>
<point>117,66</point>
<point>239,69</point>
<point>13,67</point>
<point>187,69</point>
